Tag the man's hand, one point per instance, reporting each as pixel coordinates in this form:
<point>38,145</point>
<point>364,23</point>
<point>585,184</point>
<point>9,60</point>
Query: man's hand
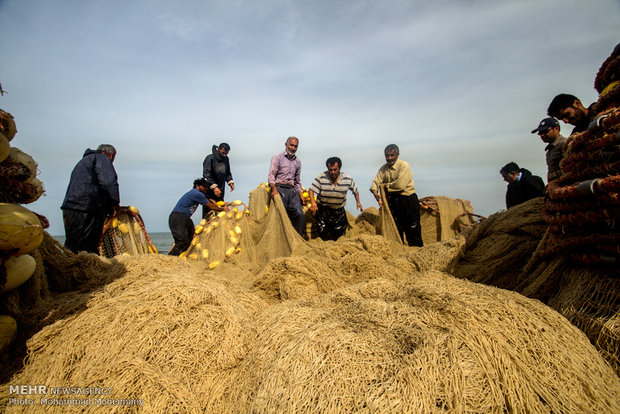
<point>359,206</point>
<point>378,198</point>
<point>232,186</point>
<point>274,191</point>
<point>217,191</point>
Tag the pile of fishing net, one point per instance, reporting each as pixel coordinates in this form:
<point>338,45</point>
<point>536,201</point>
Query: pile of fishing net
<point>174,337</point>
<point>125,233</point>
<point>443,218</point>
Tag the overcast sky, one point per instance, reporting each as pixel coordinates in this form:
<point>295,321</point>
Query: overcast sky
<point>458,85</point>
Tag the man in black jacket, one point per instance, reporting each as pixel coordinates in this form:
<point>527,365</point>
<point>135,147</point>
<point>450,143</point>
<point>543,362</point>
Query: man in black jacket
<point>522,185</point>
<point>216,170</point>
<point>92,195</point>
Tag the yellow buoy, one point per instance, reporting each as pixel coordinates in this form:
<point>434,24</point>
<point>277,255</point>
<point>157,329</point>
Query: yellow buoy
<point>221,214</point>
<point>20,229</point>
<point>7,125</point>
<point>193,256</point>
<point>134,210</point>
<point>203,222</point>
<point>237,229</point>
<point>199,229</point>
<point>266,209</point>
<point>234,240</point>
<point>205,253</point>
<point>115,222</point>
<point>18,270</point>
<point>239,215</point>
<point>27,165</point>
<point>214,264</point>
<point>236,203</point>
<point>123,228</point>
<point>194,241</point>
<point>220,203</point>
<point>230,251</point>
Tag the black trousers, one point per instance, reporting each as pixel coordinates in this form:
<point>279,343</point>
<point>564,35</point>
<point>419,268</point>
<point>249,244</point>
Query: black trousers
<point>182,229</point>
<point>332,222</point>
<point>82,230</point>
<point>406,213</point>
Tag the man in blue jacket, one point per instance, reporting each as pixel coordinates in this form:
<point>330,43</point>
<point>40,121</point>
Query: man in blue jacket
<point>180,222</point>
<point>92,195</point>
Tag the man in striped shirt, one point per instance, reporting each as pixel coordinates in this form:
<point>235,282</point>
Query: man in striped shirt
<point>331,189</point>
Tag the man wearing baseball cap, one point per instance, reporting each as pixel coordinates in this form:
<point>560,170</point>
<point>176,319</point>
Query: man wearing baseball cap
<point>549,132</point>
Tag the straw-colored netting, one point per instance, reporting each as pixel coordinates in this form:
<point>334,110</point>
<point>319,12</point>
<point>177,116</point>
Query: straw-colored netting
<point>284,325</point>
<point>504,251</point>
<point>256,234</point>
<point>587,296</point>
<point>442,218</point>
<point>496,251</point>
<point>421,346</point>
<point>182,342</point>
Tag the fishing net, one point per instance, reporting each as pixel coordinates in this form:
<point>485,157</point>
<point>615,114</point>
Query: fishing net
<point>125,233</point>
<point>443,218</point>
<point>255,233</point>
<point>496,251</point>
<point>177,341</point>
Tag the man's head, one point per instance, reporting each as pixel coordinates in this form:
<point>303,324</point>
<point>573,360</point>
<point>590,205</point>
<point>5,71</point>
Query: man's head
<point>510,172</point>
<point>333,165</point>
<point>391,153</point>
<point>107,150</point>
<point>568,108</point>
<point>201,185</point>
<point>548,129</point>
<point>223,149</point>
<point>291,145</point>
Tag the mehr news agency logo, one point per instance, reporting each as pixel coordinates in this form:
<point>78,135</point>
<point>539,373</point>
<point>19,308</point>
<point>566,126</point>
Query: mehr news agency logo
<point>43,395</point>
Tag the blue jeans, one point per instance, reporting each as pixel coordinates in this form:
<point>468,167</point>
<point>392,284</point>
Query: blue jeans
<point>292,204</point>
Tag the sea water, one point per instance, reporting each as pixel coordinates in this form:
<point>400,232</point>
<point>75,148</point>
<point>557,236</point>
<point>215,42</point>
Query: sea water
<point>163,241</point>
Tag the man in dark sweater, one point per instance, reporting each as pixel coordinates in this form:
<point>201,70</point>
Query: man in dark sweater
<point>522,185</point>
<point>216,170</point>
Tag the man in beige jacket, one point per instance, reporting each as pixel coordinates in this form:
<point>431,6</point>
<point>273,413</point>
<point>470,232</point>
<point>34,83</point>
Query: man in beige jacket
<point>402,200</point>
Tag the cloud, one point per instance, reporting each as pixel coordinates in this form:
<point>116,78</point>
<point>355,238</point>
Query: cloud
<point>458,85</point>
